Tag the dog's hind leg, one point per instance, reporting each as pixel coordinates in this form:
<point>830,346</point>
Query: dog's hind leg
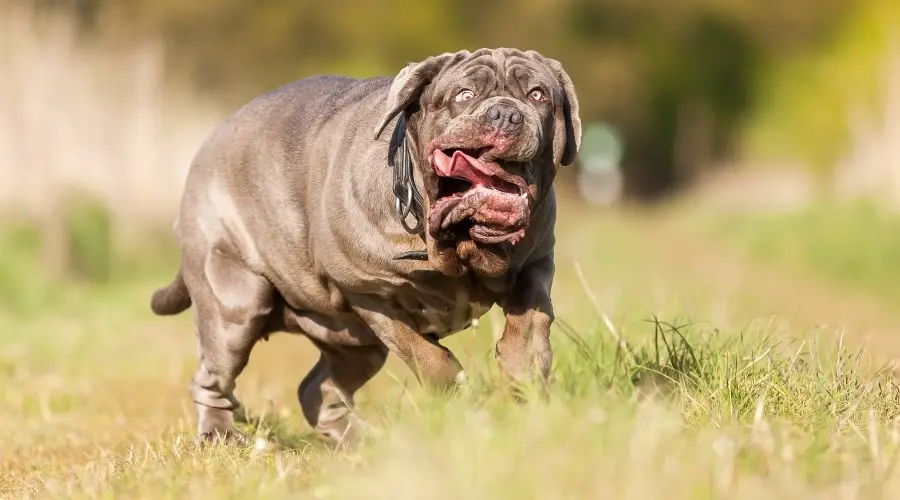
<point>231,305</point>
<point>326,394</point>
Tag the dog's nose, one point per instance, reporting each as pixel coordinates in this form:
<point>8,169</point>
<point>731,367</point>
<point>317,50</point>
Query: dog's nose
<point>505,117</point>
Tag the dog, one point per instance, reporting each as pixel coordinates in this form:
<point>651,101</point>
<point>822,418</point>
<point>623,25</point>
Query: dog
<point>302,214</point>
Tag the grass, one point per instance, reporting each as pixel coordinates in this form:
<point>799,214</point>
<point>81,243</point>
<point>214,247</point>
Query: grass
<point>640,407</point>
<point>851,244</point>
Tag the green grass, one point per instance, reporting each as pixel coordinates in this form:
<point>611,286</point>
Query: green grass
<point>656,393</point>
<point>854,245</point>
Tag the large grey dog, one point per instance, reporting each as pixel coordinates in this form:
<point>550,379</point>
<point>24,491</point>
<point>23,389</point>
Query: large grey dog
<point>300,214</point>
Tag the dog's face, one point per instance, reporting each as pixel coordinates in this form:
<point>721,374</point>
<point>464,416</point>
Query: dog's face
<point>489,129</point>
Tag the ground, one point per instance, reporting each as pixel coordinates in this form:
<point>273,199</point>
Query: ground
<point>688,364</point>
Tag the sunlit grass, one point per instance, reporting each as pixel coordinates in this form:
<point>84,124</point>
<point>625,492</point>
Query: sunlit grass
<point>852,244</point>
<point>640,406</point>
<point>681,411</point>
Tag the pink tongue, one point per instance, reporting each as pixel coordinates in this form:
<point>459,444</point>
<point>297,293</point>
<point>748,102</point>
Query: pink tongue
<point>463,166</point>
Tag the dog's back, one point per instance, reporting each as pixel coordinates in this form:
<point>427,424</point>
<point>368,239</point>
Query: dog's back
<point>277,147</point>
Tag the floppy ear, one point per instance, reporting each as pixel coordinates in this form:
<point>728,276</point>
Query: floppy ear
<point>409,83</point>
<point>567,134</point>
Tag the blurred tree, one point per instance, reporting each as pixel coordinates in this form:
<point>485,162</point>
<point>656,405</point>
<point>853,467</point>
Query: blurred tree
<point>815,99</point>
<point>677,77</point>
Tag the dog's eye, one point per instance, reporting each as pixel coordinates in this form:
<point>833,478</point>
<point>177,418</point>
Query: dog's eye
<point>536,95</point>
<point>464,95</point>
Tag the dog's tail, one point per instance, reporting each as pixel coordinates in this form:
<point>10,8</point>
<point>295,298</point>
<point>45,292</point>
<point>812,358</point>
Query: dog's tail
<point>172,299</point>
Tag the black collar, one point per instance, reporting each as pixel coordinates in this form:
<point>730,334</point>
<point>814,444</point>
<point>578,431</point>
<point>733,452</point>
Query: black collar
<point>407,199</point>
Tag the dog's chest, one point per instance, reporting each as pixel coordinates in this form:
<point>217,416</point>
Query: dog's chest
<point>455,310</point>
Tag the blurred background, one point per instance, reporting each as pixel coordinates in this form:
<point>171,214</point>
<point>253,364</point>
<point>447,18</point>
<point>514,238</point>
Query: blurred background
<point>778,116</point>
<point>739,172</point>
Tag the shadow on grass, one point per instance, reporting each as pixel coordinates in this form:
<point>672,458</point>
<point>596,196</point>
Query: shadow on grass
<point>279,432</point>
<point>669,360</point>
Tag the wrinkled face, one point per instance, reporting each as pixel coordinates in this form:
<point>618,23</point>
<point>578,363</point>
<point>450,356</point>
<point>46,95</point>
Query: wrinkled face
<point>490,129</point>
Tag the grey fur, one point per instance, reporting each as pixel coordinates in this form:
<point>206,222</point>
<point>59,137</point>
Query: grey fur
<point>287,224</point>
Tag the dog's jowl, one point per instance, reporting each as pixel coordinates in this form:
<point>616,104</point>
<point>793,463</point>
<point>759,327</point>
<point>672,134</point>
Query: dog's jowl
<point>376,216</point>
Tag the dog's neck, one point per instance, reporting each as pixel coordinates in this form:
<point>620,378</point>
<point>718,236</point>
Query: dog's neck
<point>408,202</point>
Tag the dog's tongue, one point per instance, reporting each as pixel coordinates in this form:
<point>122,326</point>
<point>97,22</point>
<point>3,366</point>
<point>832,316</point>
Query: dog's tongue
<point>500,214</point>
<point>465,167</point>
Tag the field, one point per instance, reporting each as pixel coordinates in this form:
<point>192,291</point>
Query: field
<point>699,353</point>
<point>689,363</point>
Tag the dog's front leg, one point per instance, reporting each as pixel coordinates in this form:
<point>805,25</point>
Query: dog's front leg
<point>433,364</point>
<point>523,350</point>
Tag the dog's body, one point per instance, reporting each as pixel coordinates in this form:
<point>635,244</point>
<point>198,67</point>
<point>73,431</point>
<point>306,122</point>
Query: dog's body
<point>288,223</point>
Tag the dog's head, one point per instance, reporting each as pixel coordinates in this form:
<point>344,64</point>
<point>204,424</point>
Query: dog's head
<point>489,129</point>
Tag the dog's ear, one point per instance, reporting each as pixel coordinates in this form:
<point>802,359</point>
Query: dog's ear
<point>567,134</point>
<point>409,83</point>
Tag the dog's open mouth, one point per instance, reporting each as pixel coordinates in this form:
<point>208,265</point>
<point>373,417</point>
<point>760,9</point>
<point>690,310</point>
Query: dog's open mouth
<point>478,197</point>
